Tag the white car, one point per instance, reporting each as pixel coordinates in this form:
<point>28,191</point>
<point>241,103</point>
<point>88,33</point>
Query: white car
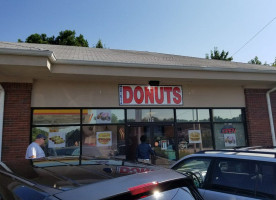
<point>247,173</point>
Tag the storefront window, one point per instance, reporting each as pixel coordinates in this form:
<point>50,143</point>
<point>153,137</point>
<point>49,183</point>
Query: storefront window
<point>102,134</point>
<point>164,144</point>
<point>229,135</point>
<point>61,141</point>
<point>103,116</point>
<point>193,138</point>
<point>103,141</point>
<point>192,115</point>
<point>227,115</point>
<point>150,115</point>
<point>56,116</point>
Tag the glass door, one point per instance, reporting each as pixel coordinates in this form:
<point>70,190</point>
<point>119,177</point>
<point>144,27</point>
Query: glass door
<point>160,138</point>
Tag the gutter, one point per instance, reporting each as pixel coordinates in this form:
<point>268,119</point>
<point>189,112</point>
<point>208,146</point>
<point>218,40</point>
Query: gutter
<point>2,98</point>
<point>163,66</point>
<point>236,67</point>
<point>270,115</point>
<point>28,52</point>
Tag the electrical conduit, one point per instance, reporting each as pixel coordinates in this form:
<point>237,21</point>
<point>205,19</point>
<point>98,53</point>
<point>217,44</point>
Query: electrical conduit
<point>2,98</point>
<point>270,115</point>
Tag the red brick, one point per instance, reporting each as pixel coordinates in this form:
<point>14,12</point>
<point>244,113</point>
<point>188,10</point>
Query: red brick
<point>257,117</point>
<point>16,124</point>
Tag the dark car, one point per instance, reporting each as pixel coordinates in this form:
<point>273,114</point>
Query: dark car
<point>69,178</point>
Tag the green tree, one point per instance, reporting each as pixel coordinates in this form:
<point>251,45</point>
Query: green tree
<point>99,44</point>
<point>36,38</point>
<point>219,56</point>
<point>69,38</point>
<point>66,37</point>
<point>274,64</point>
<point>255,61</point>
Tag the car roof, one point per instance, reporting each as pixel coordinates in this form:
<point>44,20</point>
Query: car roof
<point>257,153</point>
<point>94,178</point>
<point>121,185</point>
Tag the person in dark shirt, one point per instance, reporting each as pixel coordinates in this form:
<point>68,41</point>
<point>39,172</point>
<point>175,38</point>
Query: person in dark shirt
<point>144,151</point>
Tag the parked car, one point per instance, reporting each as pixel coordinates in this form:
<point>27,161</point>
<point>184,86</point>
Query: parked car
<point>64,151</point>
<point>236,174</point>
<point>69,178</point>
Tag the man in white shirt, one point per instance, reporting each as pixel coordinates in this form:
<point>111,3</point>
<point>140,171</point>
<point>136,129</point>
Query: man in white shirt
<point>34,150</point>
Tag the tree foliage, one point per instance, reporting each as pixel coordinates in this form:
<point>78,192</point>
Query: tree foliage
<point>66,37</point>
<point>255,61</point>
<point>99,44</point>
<point>274,64</point>
<point>219,56</point>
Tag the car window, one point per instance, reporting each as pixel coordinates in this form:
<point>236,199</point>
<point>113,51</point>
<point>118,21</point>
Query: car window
<point>234,176</point>
<point>196,167</point>
<point>26,193</point>
<point>266,185</point>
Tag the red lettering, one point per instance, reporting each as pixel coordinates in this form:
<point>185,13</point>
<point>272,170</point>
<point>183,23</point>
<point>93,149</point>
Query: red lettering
<point>161,94</point>
<point>145,170</point>
<point>124,170</point>
<point>168,90</point>
<point>149,94</point>
<point>137,99</point>
<point>177,96</point>
<point>228,130</point>
<point>127,94</point>
<point>135,170</point>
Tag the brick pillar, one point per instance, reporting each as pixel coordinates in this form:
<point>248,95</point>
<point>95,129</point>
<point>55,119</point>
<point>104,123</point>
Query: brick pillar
<point>257,117</point>
<point>16,124</point>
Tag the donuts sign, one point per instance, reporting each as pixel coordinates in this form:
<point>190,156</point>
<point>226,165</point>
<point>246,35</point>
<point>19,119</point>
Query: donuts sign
<point>150,95</point>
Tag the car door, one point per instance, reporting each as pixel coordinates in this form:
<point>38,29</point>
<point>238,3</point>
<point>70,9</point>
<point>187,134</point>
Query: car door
<point>231,179</point>
<point>266,184</point>
<point>196,168</point>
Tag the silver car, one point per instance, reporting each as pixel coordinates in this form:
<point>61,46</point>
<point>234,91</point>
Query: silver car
<point>71,178</point>
<point>233,174</point>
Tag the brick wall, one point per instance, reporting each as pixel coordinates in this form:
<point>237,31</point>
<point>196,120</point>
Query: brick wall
<point>257,118</point>
<point>17,115</point>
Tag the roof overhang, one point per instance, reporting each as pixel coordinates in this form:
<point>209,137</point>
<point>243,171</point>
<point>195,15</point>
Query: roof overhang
<point>36,64</point>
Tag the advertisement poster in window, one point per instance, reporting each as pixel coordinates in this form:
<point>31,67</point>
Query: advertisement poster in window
<point>194,136</point>
<point>103,116</point>
<point>230,140</point>
<point>104,138</point>
<point>56,138</point>
<point>164,144</point>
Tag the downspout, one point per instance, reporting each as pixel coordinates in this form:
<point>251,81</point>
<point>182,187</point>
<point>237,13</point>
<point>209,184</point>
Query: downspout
<point>2,98</point>
<point>270,115</point>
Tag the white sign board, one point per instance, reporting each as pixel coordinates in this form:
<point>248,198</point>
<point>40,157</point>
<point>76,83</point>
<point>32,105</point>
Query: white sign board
<point>150,95</point>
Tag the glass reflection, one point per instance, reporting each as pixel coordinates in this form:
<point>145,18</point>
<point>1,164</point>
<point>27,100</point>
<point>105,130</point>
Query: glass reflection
<point>103,141</point>
<point>61,141</point>
<point>150,115</point>
<point>227,115</point>
<point>192,115</point>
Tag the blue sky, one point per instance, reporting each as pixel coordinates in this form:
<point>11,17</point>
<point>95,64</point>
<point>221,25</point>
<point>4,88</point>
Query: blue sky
<point>180,27</point>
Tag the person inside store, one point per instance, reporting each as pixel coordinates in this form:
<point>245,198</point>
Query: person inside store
<point>34,150</point>
<point>144,151</point>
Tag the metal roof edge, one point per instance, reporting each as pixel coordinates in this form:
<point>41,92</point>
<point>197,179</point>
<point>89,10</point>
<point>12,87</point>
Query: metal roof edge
<point>28,52</point>
<point>158,66</point>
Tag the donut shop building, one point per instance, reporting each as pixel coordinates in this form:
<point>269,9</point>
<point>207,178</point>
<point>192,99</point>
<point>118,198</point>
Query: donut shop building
<point>98,102</point>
